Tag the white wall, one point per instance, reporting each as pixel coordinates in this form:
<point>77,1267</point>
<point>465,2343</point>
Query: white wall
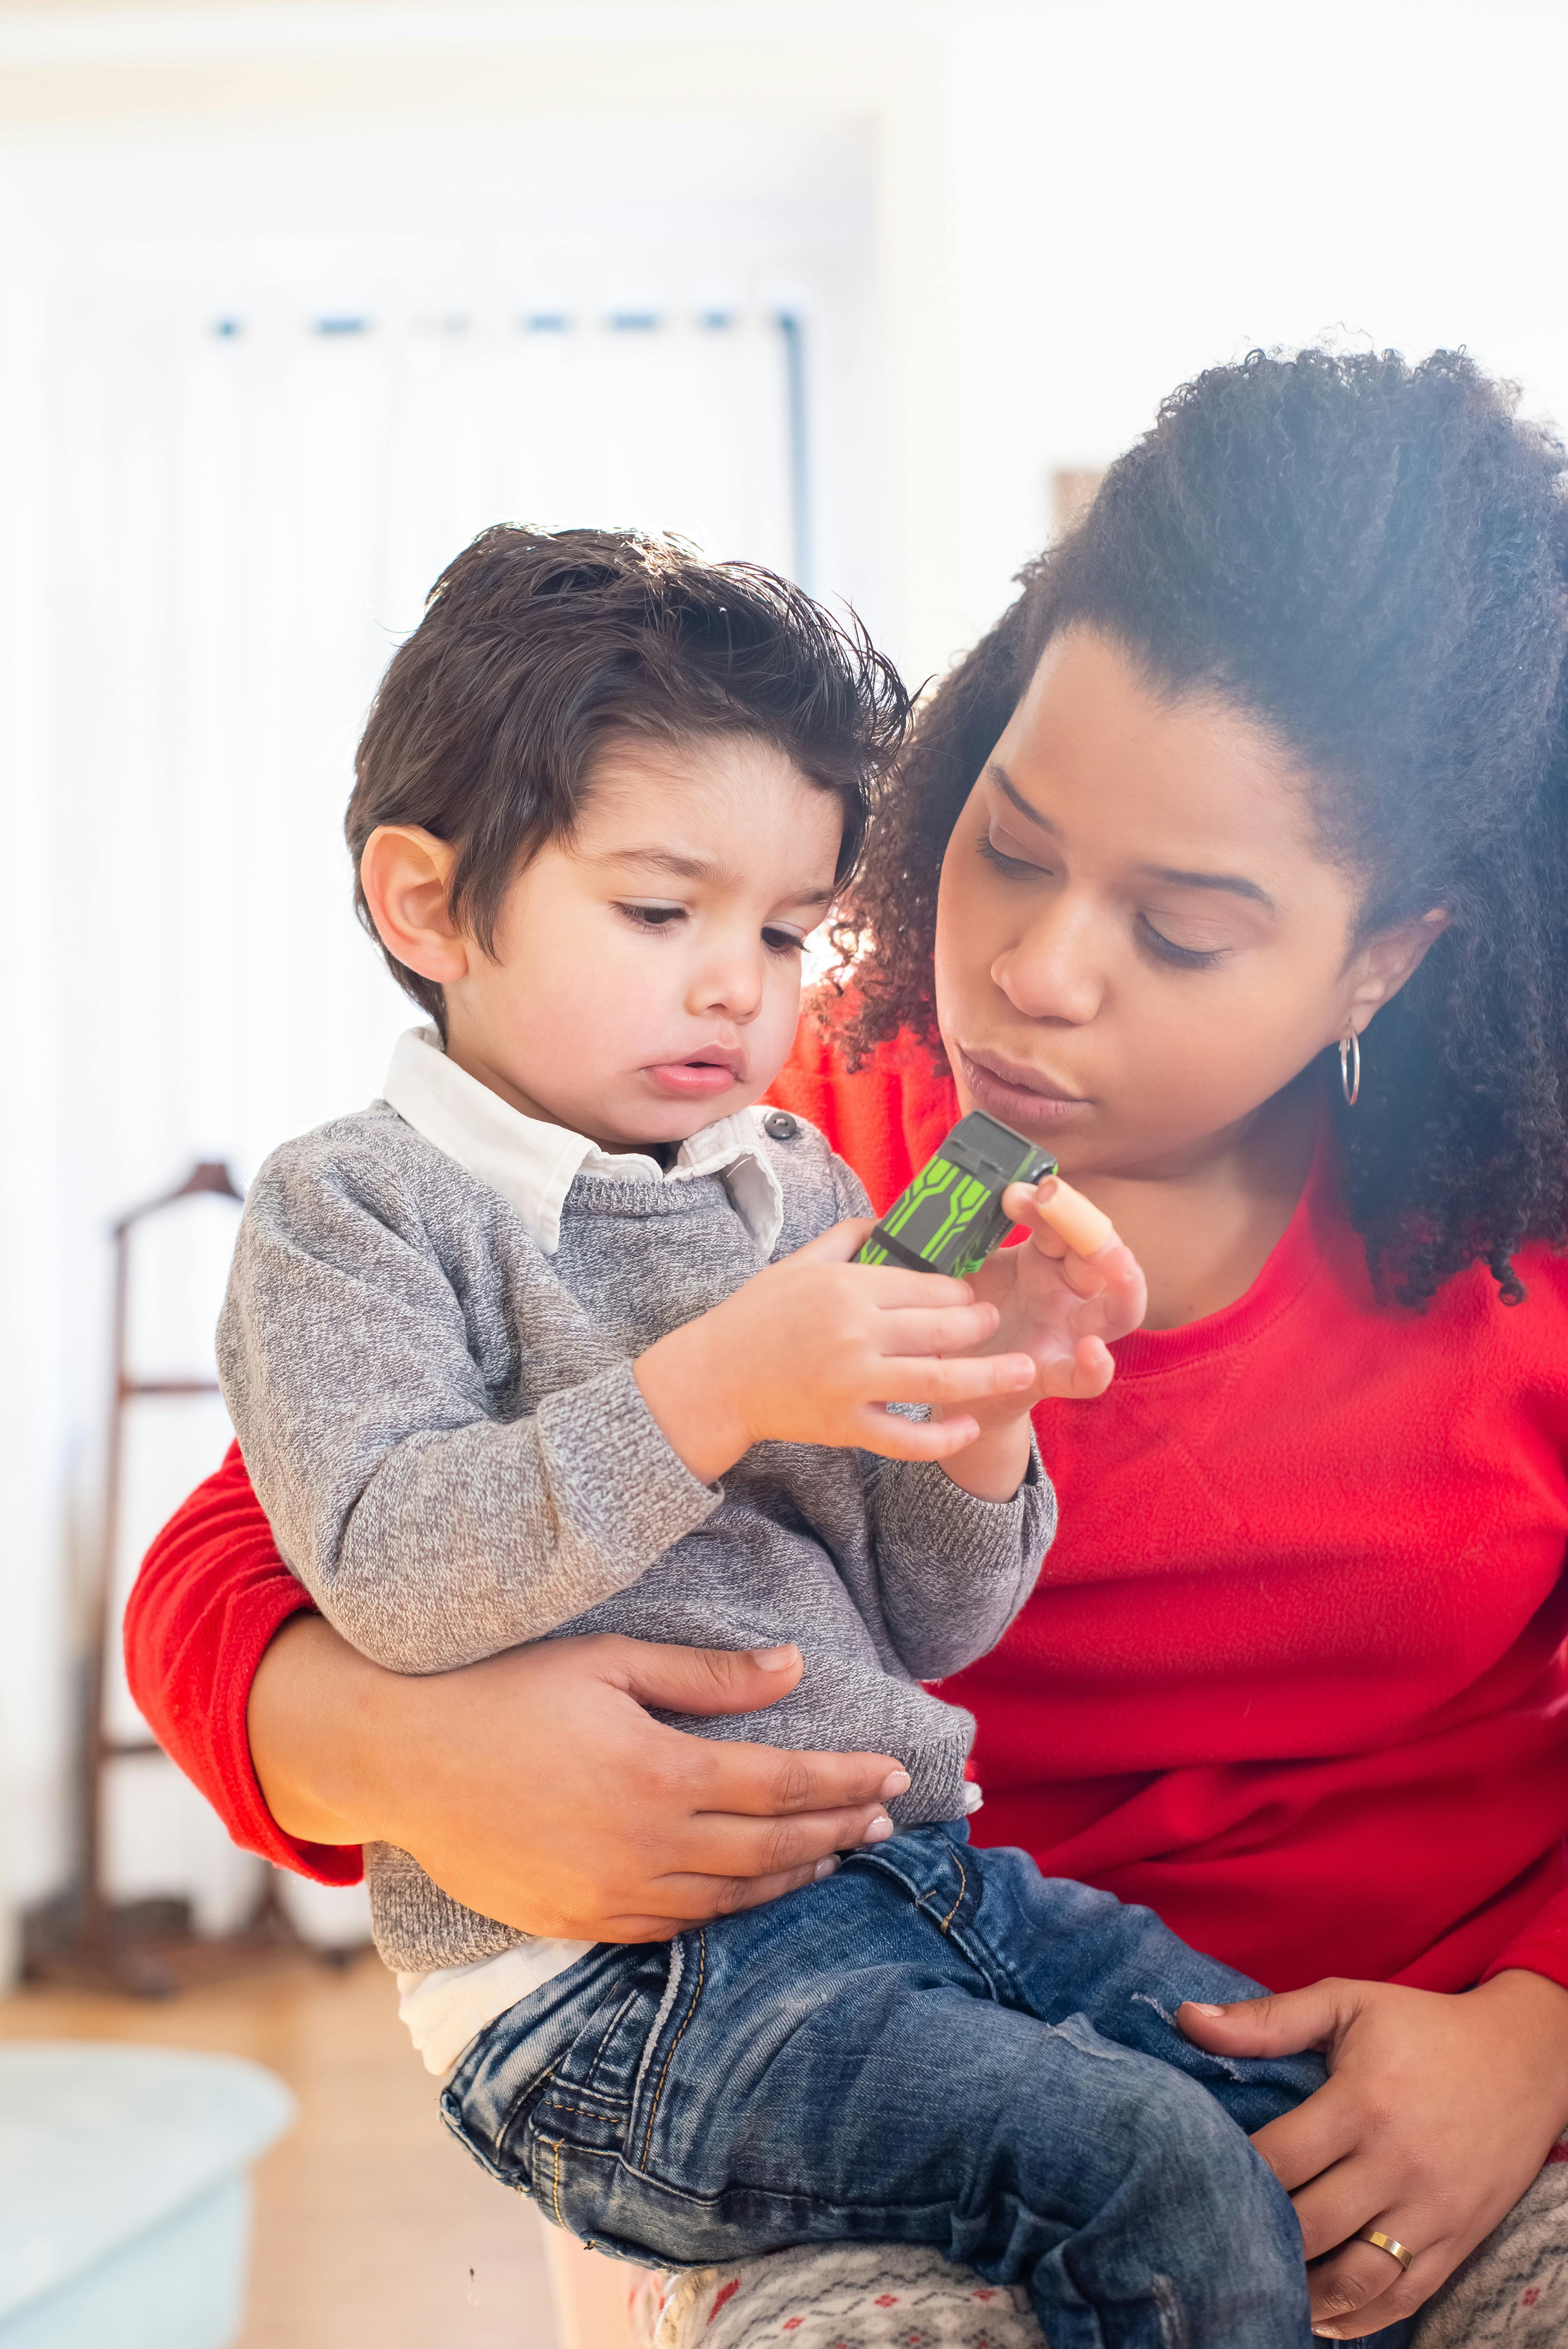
<point>1013,223</point>
<point>1144,188</point>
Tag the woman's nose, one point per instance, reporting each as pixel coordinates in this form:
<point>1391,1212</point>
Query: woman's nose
<point>1051,971</point>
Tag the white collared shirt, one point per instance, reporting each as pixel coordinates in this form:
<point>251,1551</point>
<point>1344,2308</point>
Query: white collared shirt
<point>532,1164</point>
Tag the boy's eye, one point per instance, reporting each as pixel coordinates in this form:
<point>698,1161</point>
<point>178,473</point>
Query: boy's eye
<point>782,942</point>
<point>651,917</point>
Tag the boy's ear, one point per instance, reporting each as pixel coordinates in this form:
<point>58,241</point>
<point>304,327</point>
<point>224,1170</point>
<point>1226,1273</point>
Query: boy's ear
<point>406,875</point>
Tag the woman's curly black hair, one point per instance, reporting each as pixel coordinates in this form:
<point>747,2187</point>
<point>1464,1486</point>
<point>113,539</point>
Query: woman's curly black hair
<point>1372,558</point>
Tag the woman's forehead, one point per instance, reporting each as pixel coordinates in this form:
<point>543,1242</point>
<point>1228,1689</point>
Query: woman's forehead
<point>1118,764</point>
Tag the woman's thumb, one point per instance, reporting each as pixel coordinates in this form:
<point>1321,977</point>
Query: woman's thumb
<point>1285,2025</point>
<point>706,1679</point>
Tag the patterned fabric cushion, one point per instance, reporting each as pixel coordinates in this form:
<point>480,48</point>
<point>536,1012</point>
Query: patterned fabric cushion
<point>1511,2294</point>
<point>841,2296</point>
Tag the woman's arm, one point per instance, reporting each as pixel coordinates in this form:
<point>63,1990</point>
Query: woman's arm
<point>533,1786</point>
<point>210,1596</point>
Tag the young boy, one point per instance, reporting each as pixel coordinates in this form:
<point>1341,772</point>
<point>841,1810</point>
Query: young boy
<point>562,1336</point>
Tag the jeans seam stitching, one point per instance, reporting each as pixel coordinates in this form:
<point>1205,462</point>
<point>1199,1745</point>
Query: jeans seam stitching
<point>701,1968</point>
<point>963,1888</point>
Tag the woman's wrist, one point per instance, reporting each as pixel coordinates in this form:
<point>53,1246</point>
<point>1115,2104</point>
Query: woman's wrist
<point>1538,2007</point>
<point>316,1719</point>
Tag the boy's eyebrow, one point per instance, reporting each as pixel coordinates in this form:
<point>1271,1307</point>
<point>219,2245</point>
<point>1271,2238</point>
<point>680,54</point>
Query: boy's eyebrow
<point>1233,882</point>
<point>702,868</point>
<point>666,860</point>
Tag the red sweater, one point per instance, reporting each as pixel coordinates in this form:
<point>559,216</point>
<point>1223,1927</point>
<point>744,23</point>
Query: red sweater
<point>1294,1672</point>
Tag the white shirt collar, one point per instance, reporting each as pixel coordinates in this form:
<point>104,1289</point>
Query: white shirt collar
<point>533,1164</point>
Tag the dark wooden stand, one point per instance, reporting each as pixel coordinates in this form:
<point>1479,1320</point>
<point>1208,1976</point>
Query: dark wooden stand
<point>82,1938</point>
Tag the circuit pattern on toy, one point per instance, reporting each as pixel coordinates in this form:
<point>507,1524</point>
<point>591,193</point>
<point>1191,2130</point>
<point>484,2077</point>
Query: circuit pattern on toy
<point>952,1215</point>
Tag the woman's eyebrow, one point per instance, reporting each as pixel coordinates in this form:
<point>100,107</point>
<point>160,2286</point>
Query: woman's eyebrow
<point>997,773</point>
<point>1230,881</point>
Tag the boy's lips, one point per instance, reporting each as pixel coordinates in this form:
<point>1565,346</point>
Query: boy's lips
<point>1020,1097</point>
<point>700,1077</point>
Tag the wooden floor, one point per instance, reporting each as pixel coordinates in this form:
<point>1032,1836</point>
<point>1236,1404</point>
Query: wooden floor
<point>372,2226</point>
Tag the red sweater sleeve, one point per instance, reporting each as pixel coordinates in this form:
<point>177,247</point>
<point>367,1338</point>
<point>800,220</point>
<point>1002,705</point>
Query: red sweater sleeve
<point>1541,1948</point>
<point>211,1593</point>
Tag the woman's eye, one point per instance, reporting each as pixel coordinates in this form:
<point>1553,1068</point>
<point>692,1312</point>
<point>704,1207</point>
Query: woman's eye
<point>1001,861</point>
<point>652,917</point>
<point>1167,949</point>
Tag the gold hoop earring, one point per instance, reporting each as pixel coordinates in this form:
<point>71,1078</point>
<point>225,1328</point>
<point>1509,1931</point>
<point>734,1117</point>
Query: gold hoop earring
<point>1350,1068</point>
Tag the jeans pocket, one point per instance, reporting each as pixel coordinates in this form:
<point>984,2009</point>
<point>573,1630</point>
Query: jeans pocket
<point>572,2041</point>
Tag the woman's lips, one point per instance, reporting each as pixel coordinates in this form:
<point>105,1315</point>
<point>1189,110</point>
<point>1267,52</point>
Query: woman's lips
<point>1028,1104</point>
<point>691,1080</point>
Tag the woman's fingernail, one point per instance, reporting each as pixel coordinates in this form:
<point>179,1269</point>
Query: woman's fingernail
<point>879,1831</point>
<point>826,1868</point>
<point>895,1784</point>
<point>1199,2007</point>
<point>773,1659</point>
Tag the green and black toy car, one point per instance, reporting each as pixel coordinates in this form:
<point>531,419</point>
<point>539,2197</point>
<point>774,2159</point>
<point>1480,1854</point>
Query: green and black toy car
<point>952,1215</point>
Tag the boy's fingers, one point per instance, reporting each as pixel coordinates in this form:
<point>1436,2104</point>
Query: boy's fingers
<point>956,1379</point>
<point>951,1329</point>
<point>893,1287</point>
<point>840,1243</point>
<point>893,1284</point>
<point>892,1438</point>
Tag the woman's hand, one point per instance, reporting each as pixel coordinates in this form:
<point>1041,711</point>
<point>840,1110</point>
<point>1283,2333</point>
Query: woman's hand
<point>1437,2113</point>
<point>1060,1309</point>
<point>536,1789</point>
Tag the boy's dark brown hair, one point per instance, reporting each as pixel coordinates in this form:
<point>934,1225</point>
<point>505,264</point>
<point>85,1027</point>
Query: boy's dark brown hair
<point>540,649</point>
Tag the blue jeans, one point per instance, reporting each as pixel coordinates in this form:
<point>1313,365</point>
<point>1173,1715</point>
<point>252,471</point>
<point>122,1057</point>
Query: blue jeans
<point>937,2045</point>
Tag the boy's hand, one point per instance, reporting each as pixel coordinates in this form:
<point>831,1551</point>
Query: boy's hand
<point>811,1349</point>
<point>1058,1308</point>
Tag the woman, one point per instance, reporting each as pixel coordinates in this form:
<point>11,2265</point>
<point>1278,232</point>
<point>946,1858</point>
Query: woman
<point>1273,749</point>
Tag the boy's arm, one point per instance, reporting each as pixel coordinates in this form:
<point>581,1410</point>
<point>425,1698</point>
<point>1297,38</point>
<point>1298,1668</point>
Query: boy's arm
<point>952,1570</point>
<point>429,1531</point>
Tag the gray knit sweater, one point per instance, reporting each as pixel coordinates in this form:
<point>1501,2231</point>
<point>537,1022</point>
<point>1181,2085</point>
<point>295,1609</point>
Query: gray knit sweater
<point>442,1425</point>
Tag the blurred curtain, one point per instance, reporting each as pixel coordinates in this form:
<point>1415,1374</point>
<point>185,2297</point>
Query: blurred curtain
<point>236,516</point>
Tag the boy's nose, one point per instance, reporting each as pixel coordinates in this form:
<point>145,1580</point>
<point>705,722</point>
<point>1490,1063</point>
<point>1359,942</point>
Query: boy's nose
<point>732,986</point>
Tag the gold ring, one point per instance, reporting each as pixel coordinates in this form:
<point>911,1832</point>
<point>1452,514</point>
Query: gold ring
<point>1386,2244</point>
